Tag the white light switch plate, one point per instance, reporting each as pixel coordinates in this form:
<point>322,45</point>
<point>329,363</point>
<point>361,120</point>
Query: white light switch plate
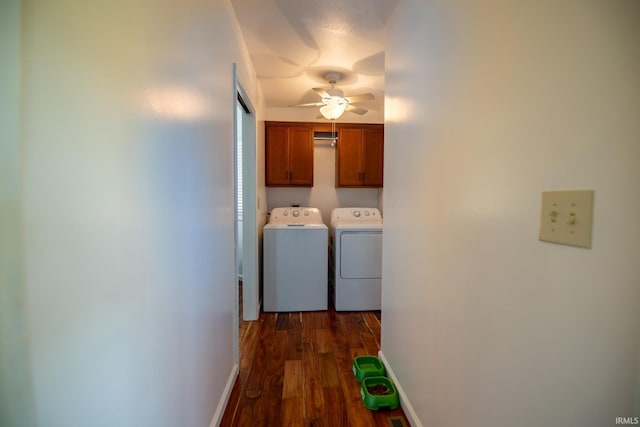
<point>566,217</point>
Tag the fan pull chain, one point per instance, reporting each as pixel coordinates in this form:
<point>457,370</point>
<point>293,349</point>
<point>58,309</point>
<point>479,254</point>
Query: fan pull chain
<point>333,133</point>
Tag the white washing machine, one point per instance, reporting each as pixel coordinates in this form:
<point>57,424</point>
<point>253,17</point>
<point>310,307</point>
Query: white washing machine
<point>295,260</point>
<point>356,258</point>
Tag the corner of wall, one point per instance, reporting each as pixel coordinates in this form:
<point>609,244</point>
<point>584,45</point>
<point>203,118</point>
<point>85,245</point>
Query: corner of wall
<point>224,399</point>
<point>409,412</point>
<point>17,406</point>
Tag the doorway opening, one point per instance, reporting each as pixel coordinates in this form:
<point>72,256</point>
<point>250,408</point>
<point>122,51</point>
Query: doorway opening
<point>246,229</point>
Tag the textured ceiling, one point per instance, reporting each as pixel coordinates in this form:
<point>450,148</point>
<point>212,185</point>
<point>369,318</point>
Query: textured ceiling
<point>294,43</point>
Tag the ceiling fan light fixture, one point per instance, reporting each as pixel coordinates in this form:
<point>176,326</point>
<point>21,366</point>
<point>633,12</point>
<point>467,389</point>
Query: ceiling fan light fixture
<point>333,107</point>
<point>333,103</point>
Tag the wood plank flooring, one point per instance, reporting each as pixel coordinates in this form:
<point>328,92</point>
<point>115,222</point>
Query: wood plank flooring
<point>295,370</point>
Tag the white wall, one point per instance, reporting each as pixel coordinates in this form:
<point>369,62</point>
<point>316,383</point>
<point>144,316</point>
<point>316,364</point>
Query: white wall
<point>127,205</point>
<point>488,105</point>
<point>323,195</point>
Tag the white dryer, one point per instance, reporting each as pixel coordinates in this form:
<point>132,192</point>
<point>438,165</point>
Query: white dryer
<point>356,258</point>
<point>295,260</point>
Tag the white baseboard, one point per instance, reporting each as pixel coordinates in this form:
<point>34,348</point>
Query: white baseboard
<point>404,400</point>
<point>224,399</point>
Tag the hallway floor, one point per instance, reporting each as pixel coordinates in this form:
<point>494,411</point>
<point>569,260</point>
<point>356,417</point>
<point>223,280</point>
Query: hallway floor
<point>295,370</point>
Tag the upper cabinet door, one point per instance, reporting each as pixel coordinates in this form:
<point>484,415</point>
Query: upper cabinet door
<point>288,155</point>
<point>373,157</point>
<point>359,157</point>
<point>276,156</point>
<point>301,156</point>
<point>349,158</point>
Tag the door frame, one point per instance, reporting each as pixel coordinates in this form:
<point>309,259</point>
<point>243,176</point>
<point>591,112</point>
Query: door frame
<point>250,235</point>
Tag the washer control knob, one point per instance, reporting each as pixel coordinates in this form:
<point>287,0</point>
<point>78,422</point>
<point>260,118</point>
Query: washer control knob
<point>366,213</point>
<point>285,213</point>
<point>356,214</point>
<point>296,213</point>
<point>306,213</point>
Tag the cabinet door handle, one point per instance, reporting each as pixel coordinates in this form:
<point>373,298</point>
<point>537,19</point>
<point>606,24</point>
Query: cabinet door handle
<point>290,175</point>
<point>286,175</point>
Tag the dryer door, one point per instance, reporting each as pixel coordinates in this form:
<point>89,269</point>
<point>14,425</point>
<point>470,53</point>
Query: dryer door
<point>361,254</point>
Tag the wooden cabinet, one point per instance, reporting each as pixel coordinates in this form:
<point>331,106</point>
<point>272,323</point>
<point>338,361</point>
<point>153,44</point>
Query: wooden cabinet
<point>359,156</point>
<point>289,155</point>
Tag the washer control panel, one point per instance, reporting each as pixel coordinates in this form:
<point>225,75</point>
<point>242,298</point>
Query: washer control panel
<point>356,216</point>
<point>296,216</point>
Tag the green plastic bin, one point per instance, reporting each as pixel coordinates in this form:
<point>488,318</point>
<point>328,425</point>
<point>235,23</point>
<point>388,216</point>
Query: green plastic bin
<point>382,401</point>
<point>367,366</point>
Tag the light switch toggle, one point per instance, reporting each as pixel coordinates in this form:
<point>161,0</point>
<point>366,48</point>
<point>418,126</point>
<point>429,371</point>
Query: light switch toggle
<point>566,217</point>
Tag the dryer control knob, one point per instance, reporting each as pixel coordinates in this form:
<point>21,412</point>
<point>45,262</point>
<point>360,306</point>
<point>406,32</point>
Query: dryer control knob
<point>306,213</point>
<point>366,213</point>
<point>356,214</point>
<point>296,213</point>
<point>285,213</point>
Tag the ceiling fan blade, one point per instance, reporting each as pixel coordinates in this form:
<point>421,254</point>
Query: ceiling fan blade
<point>310,104</point>
<point>352,109</point>
<point>322,92</point>
<point>360,98</point>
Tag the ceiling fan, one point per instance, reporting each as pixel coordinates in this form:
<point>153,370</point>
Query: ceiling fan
<point>333,102</point>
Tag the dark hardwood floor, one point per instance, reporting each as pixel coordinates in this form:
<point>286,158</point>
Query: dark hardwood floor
<point>295,370</point>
